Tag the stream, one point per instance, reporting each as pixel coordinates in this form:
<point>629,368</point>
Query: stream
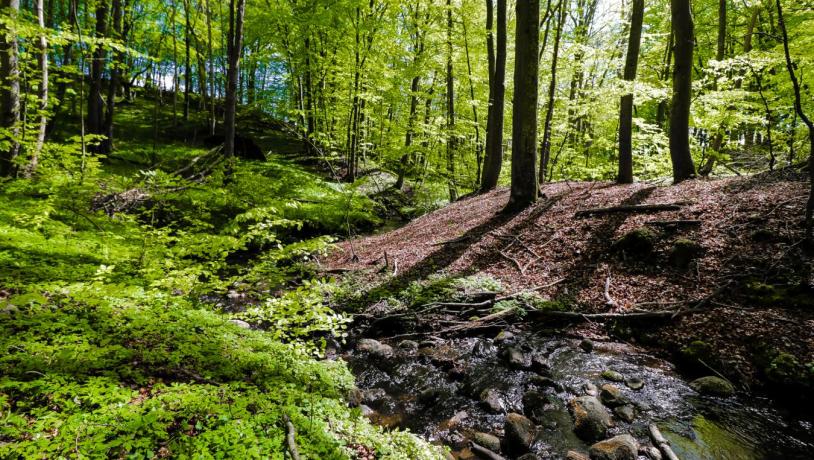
<point>456,391</point>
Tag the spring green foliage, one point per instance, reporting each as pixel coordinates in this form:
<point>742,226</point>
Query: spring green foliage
<point>115,331</point>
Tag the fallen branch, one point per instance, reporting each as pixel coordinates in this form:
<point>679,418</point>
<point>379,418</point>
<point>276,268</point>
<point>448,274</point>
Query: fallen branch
<point>674,223</point>
<point>485,453</point>
<point>637,208</point>
<point>290,439</point>
<point>661,442</point>
<point>608,299</point>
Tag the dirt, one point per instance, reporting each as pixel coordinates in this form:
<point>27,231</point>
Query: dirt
<point>750,234</point>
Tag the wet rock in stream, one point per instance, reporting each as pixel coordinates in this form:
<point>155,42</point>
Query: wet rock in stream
<point>622,447</point>
<point>519,433</point>
<point>591,419</point>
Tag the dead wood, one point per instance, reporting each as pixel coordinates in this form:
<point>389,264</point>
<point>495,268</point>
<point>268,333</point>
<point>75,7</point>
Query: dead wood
<point>290,439</point>
<point>661,442</point>
<point>674,223</point>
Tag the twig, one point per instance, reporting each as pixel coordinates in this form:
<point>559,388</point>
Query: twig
<point>608,299</point>
<point>486,453</point>
<point>290,438</point>
<point>661,442</point>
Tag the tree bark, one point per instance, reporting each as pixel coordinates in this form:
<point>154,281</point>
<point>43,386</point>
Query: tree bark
<point>452,144</point>
<point>115,78</point>
<point>95,101</point>
<point>10,84</point>
<point>683,167</point>
<point>524,106</point>
<point>545,153</point>
<point>626,107</point>
<point>720,53</point>
<point>493,162</point>
<point>43,102</point>
<point>237,9</point>
<point>798,108</point>
<point>187,62</point>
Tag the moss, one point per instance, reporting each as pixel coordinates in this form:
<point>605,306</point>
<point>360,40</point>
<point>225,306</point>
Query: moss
<point>779,295</point>
<point>684,251</point>
<point>710,440</point>
<point>638,243</point>
<point>696,350</point>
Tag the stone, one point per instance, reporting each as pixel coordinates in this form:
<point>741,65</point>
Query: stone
<point>713,386</point>
<point>613,376</point>
<point>683,253</point>
<point>240,323</point>
<point>519,433</point>
<point>481,349</point>
<point>586,345</point>
<point>626,413</point>
<point>546,382</point>
<point>653,453</point>
<point>373,396</point>
<point>429,395</point>
<point>611,396</point>
<point>637,243</point>
<point>367,411</point>
<point>574,455</point>
<point>487,440</point>
<point>375,348</point>
<point>534,404</point>
<point>408,345</point>
<point>504,336</point>
<point>622,447</point>
<point>634,383</point>
<point>590,389</point>
<point>515,358</point>
<point>491,400</point>
<point>540,364</point>
<point>591,419</point>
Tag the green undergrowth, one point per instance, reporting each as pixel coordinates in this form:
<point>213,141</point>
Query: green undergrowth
<point>118,335</point>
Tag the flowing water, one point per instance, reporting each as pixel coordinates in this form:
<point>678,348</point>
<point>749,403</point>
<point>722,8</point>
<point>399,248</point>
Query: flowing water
<point>435,390</point>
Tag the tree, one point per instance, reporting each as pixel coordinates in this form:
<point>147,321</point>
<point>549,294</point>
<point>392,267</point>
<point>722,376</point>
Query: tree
<point>235,44</point>
<point>720,53</point>
<point>545,151</point>
<point>497,90</point>
<point>524,106</point>
<point>10,91</point>
<point>798,108</point>
<point>681,15</point>
<point>96,115</point>
<point>626,106</point>
<point>452,141</point>
<point>42,62</point>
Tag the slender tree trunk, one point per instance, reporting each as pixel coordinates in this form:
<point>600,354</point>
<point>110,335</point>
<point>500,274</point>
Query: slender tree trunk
<point>175,78</point>
<point>683,167</point>
<point>236,11</point>
<point>95,101</point>
<point>478,147</point>
<point>661,112</point>
<point>10,91</point>
<point>115,78</point>
<point>43,105</point>
<point>212,119</point>
<point>798,107</point>
<point>718,139</point>
<point>497,90</point>
<point>545,154</point>
<point>187,62</point>
<point>524,106</point>
<point>626,107</point>
<point>452,144</point>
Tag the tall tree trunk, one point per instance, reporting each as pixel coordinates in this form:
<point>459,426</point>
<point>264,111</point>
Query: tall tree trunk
<point>661,111</point>
<point>545,154</point>
<point>212,119</point>
<point>187,62</point>
<point>683,167</point>
<point>115,78</point>
<point>720,53</point>
<point>524,106</point>
<point>626,106</point>
<point>478,147</point>
<point>798,107</point>
<point>43,105</point>
<point>95,101</point>
<point>495,118</point>
<point>10,88</point>
<point>452,144</point>
<point>237,9</point>
<point>176,80</point>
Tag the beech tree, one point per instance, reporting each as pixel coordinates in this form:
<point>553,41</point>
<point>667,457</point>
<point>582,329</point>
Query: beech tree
<point>681,15</point>
<point>236,12</point>
<point>493,160</point>
<point>10,92</point>
<point>626,105</point>
<point>524,106</point>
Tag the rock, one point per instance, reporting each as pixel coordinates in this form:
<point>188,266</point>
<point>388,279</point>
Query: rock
<point>457,372</point>
<point>487,440</point>
<point>530,456</point>
<point>426,344</point>
<point>481,349</point>
<point>590,389</point>
<point>653,453</point>
<point>636,243</point>
<point>626,413</point>
<point>240,323</point>
<point>373,396</point>
<point>534,404</point>
<point>408,345</point>
<point>613,376</point>
<point>611,396</point>
<point>622,447</point>
<point>634,383</point>
<point>491,400</point>
<point>540,364</point>
<point>375,348</point>
<point>515,358</point>
<point>429,395</point>
<point>366,411</point>
<point>713,386</point>
<point>504,336</point>
<point>683,253</point>
<point>519,434</point>
<point>546,382</point>
<point>574,455</point>
<point>586,345</point>
<point>591,419</point>
<point>354,397</point>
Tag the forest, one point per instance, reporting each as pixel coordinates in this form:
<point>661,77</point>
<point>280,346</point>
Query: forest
<point>380,229</point>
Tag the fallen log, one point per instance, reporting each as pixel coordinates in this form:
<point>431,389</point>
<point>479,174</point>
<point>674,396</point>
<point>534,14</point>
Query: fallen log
<point>636,208</point>
<point>674,223</point>
<point>485,453</point>
<point>661,442</point>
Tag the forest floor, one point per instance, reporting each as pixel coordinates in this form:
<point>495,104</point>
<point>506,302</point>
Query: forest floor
<point>743,260</point>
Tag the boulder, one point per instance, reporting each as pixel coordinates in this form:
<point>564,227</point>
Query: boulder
<point>504,336</point>
<point>546,382</point>
<point>375,348</point>
<point>487,440</point>
<point>713,386</point>
<point>519,434</point>
<point>613,376</point>
<point>586,345</point>
<point>591,419</point>
<point>534,404</point>
<point>590,389</point>
<point>634,383</point>
<point>683,253</point>
<point>515,358</point>
<point>626,413</point>
<point>408,345</point>
<point>574,455</point>
<point>638,243</point>
<point>622,447</point>
<point>491,400</point>
<point>611,396</point>
<point>240,323</point>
